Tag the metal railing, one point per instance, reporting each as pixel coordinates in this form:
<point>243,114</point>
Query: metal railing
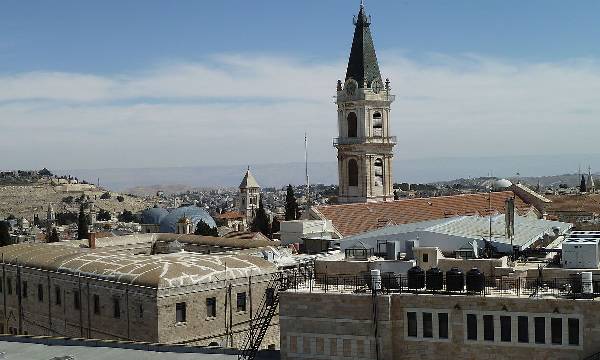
<point>397,283</point>
<point>368,140</point>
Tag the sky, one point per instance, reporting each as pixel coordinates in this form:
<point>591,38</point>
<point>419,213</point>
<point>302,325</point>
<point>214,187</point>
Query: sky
<point>129,84</point>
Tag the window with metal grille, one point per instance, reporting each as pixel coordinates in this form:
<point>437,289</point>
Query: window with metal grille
<point>539,324</point>
<point>573,328</point>
<point>556,331</point>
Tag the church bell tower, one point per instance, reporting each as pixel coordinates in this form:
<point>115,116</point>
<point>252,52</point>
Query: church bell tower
<point>364,146</point>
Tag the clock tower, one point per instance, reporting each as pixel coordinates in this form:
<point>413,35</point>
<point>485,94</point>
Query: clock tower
<point>364,146</point>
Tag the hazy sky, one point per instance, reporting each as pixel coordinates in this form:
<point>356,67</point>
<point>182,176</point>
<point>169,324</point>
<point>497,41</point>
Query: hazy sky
<point>181,83</point>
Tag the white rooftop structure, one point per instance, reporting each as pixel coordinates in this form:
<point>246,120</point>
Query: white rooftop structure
<point>451,233</point>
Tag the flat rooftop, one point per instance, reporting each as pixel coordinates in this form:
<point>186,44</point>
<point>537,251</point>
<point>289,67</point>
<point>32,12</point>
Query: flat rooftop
<point>41,348</point>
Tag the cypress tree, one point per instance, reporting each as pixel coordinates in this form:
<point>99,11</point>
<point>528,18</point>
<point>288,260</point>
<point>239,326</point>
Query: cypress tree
<point>582,186</point>
<point>53,236</point>
<point>4,233</point>
<point>291,206</point>
<point>203,228</point>
<point>82,225</point>
<point>261,220</point>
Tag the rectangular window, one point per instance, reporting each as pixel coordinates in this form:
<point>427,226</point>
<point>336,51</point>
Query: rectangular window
<point>211,307</point>
<point>333,347</point>
<point>76,300</point>
<point>540,329</point>
<point>412,324</point>
<point>319,346</point>
<point>488,327</point>
<point>427,325</point>
<point>573,327</point>
<point>505,329</point>
<point>40,293</point>
<point>57,295</point>
<point>24,289</point>
<point>9,286</point>
<point>270,296</point>
<point>425,258</point>
<point>556,331</point>
<point>96,304</point>
<point>241,301</point>
<point>180,312</point>
<point>293,344</point>
<point>523,329</point>
<point>116,308</point>
<point>471,327</point>
<point>443,325</point>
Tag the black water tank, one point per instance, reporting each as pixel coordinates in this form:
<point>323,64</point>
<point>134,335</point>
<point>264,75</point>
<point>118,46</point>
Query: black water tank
<point>389,280</point>
<point>475,280</point>
<point>435,279</point>
<point>416,278</point>
<point>575,281</point>
<point>455,280</point>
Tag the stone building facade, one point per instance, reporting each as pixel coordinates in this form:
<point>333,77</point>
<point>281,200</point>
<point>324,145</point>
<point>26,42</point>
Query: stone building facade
<point>365,145</point>
<point>129,290</point>
<point>407,326</point>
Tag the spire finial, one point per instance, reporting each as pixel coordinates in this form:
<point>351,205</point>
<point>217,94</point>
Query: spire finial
<point>362,4</point>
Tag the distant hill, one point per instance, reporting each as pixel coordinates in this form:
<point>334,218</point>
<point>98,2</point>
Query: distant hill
<point>276,175</point>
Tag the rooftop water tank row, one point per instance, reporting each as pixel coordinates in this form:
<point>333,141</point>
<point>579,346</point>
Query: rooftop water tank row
<point>433,279</point>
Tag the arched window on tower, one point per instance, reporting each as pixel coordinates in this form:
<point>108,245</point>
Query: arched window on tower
<point>377,125</point>
<point>352,125</point>
<point>352,173</point>
<point>378,170</point>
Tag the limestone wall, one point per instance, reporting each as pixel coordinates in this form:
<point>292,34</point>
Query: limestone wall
<point>331,326</point>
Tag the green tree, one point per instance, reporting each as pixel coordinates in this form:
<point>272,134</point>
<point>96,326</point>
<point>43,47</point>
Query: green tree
<point>275,226</point>
<point>103,215</point>
<point>261,220</point>
<point>582,186</point>
<point>4,233</point>
<point>291,205</point>
<point>203,228</point>
<point>45,172</point>
<point>53,237</point>
<point>126,216</point>
<point>105,196</point>
<point>67,199</point>
<point>120,198</point>
<point>82,225</point>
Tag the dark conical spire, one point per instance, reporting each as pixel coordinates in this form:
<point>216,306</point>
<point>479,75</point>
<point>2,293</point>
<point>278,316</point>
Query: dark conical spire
<point>362,65</point>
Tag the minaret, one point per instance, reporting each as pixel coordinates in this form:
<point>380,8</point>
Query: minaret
<point>249,195</point>
<point>365,146</point>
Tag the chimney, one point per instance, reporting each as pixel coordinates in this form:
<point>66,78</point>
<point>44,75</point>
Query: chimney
<point>92,240</point>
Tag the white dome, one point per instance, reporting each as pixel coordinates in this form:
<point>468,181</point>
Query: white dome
<point>502,184</point>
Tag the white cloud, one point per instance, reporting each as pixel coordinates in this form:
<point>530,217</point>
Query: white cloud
<point>249,108</point>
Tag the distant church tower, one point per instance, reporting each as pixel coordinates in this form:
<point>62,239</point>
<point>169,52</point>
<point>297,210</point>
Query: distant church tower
<point>249,196</point>
<point>364,146</point>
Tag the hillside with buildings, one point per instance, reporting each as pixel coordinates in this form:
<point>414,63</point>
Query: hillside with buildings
<point>28,194</point>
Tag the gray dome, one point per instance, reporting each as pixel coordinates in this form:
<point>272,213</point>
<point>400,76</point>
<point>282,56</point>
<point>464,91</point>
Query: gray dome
<point>153,215</point>
<point>169,223</point>
<point>502,184</point>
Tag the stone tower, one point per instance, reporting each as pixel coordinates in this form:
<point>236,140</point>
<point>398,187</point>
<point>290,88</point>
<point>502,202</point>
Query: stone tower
<point>364,145</point>
<point>249,196</point>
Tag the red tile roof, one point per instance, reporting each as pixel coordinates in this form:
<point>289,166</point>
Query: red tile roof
<point>351,219</point>
<point>230,215</point>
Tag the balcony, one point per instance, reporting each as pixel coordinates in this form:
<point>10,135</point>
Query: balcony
<point>364,140</point>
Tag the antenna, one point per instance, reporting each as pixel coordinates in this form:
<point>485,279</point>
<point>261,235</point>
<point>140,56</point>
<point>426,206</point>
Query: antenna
<point>306,179</point>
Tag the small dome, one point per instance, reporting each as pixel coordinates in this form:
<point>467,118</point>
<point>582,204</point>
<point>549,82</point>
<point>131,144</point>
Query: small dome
<point>169,223</point>
<point>502,184</point>
<point>153,215</point>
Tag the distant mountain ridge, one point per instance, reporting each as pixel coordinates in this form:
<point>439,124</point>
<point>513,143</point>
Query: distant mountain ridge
<point>278,175</point>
